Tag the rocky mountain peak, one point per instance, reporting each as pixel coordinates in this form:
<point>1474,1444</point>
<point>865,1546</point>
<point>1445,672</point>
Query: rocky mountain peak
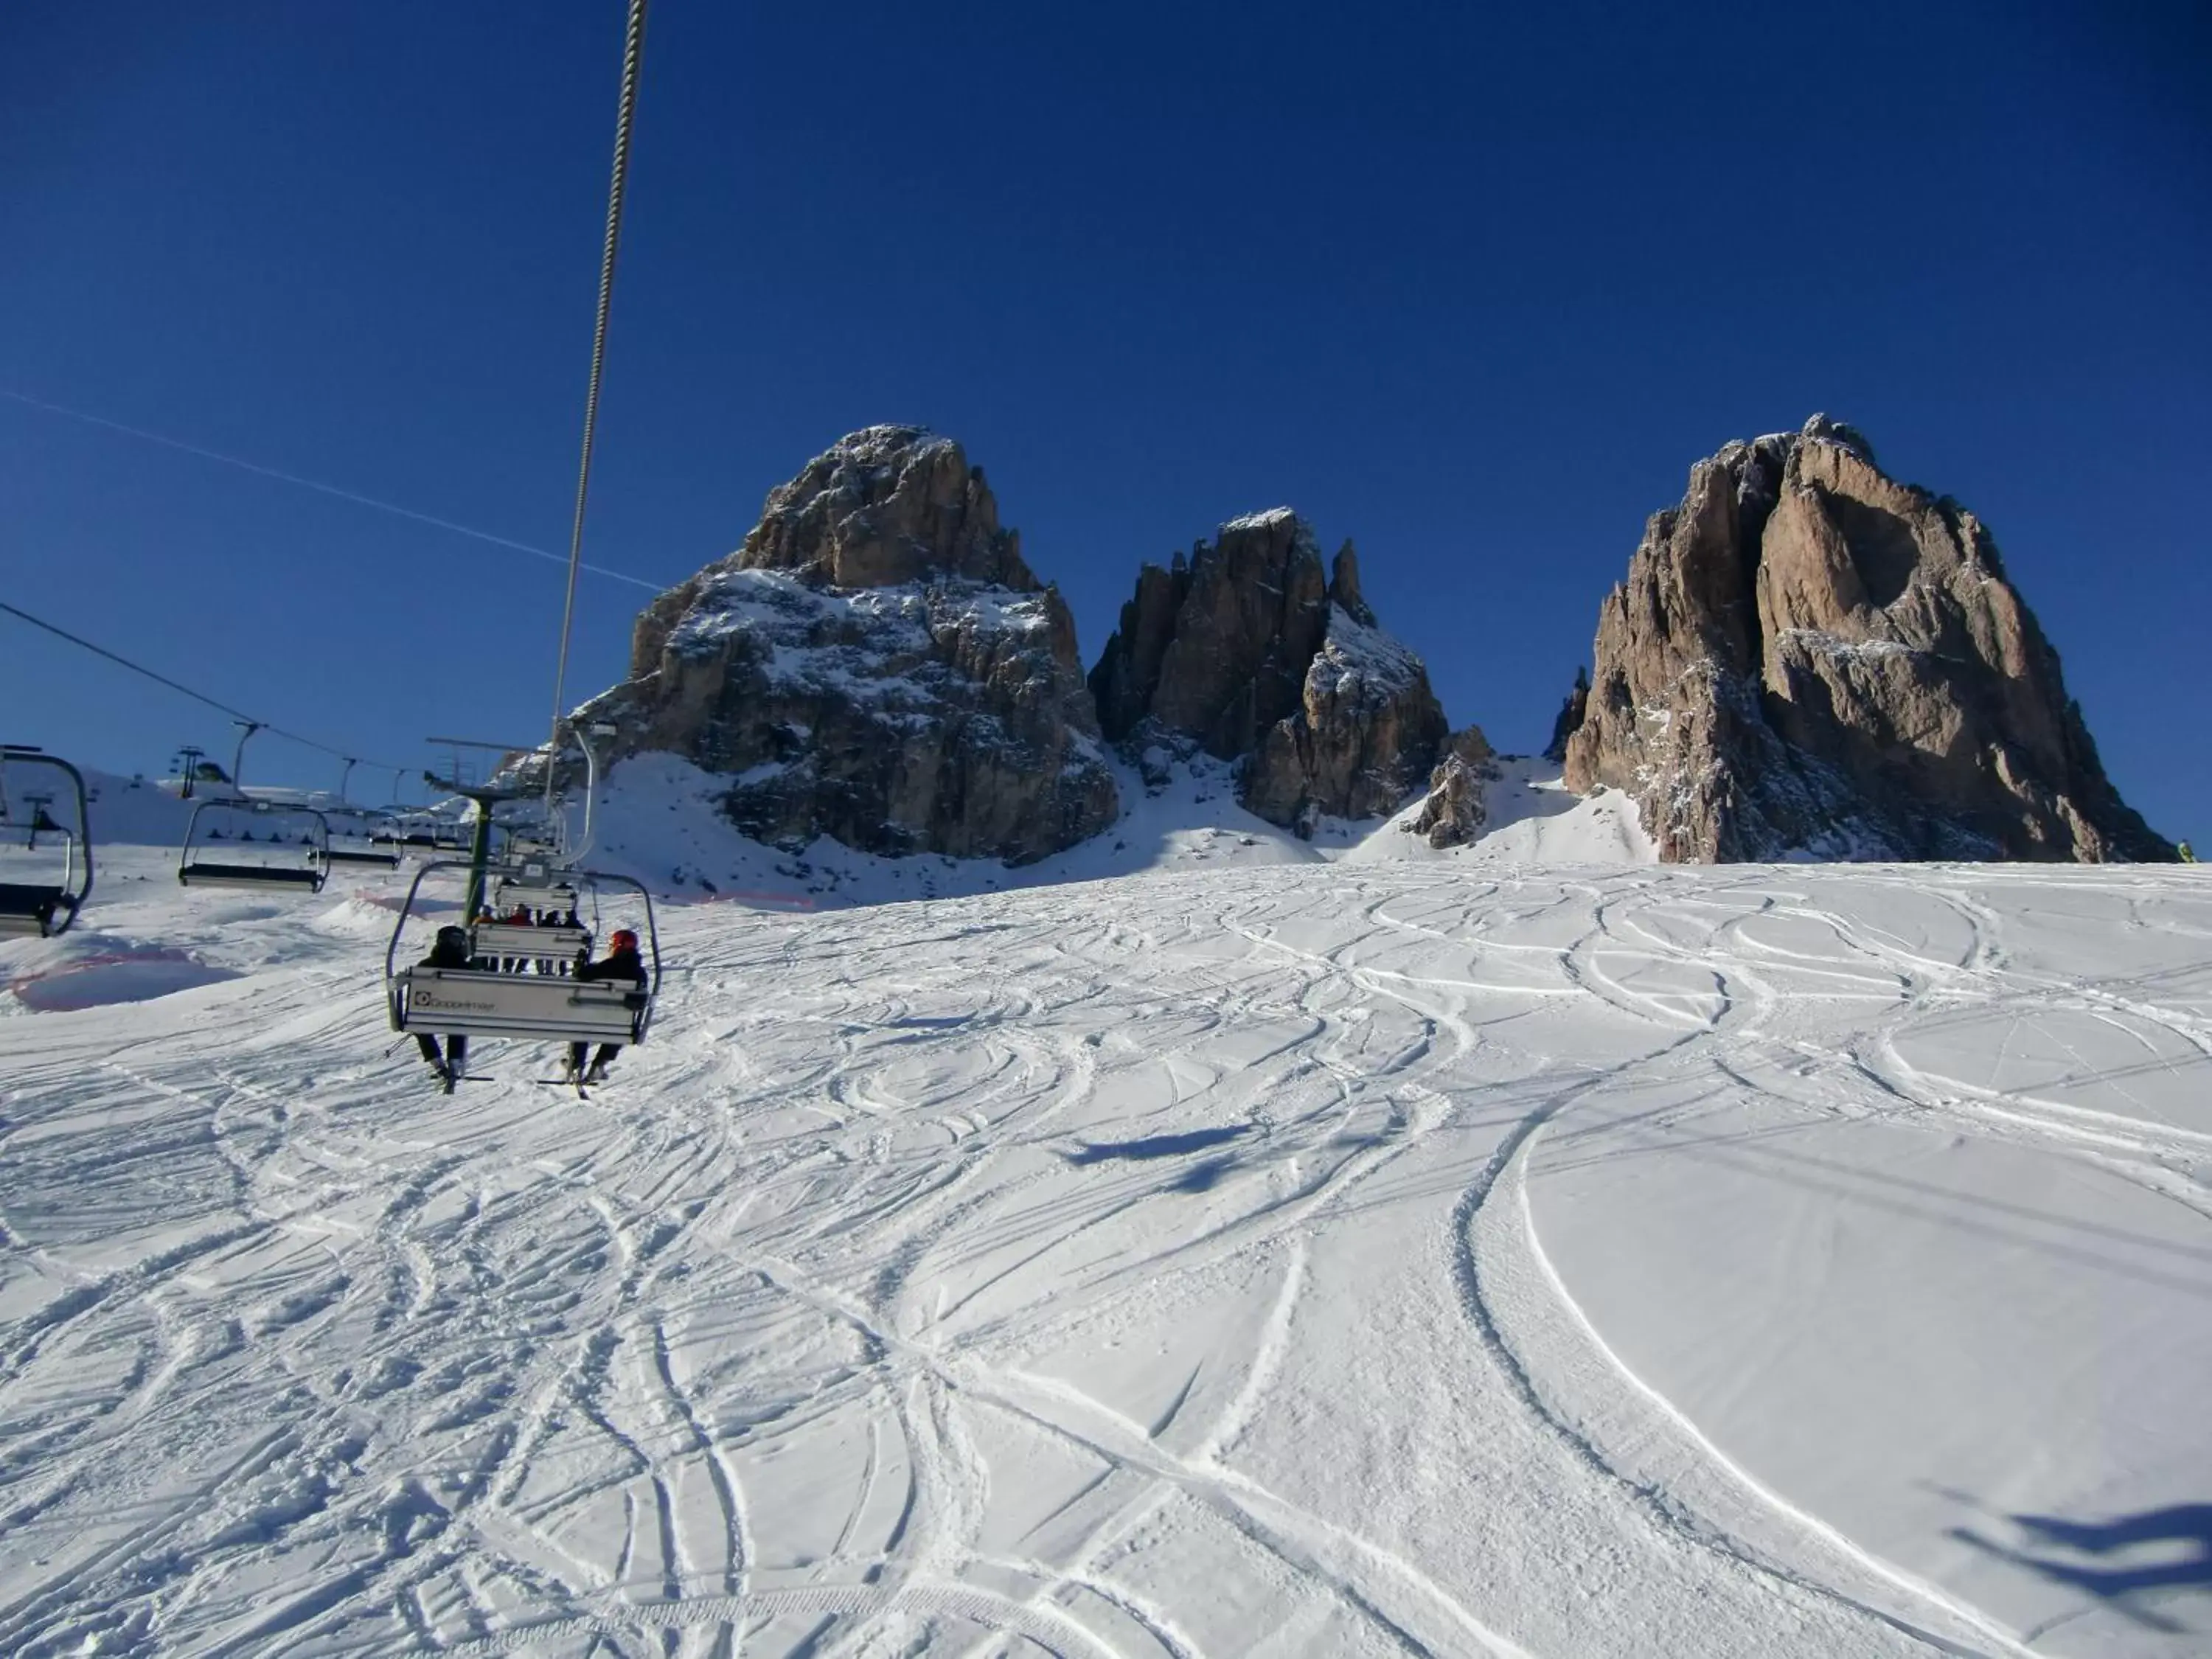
<point>886,505</point>
<point>1215,647</point>
<point>1244,651</point>
<point>1819,429</point>
<point>876,665</point>
<point>1809,657</point>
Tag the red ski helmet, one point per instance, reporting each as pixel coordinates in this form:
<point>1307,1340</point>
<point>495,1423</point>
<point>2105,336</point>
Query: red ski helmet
<point>624,939</point>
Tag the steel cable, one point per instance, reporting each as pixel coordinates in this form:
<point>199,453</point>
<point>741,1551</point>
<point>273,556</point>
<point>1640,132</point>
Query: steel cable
<point>358,500</point>
<point>633,47</point>
<point>197,696</point>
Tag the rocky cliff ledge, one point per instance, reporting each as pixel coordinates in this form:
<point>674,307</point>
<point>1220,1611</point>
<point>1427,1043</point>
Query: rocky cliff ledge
<point>1246,650</point>
<point>878,665</point>
<point>1810,658</point>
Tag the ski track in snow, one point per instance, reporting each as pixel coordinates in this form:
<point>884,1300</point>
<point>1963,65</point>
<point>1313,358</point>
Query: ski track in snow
<point>1188,1265</point>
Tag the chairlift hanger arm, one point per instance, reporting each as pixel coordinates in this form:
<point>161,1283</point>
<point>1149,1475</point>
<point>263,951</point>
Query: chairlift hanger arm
<point>406,909</point>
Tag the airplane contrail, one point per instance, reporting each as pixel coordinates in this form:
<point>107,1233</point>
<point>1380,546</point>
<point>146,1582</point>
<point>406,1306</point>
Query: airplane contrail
<point>294,478</point>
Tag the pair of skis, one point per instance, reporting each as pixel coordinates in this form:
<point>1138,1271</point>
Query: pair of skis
<point>581,1082</point>
<point>449,1079</point>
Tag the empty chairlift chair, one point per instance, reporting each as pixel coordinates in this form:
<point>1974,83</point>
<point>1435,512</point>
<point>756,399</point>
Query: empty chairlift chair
<point>426,833</point>
<point>531,1005</point>
<point>256,843</point>
<point>45,843</point>
<point>360,837</point>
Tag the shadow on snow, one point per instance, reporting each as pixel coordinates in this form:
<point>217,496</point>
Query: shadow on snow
<point>1154,1146</point>
<point>2185,1525</point>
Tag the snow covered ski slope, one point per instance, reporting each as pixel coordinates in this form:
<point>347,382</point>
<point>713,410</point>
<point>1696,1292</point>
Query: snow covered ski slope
<point>1365,1258</point>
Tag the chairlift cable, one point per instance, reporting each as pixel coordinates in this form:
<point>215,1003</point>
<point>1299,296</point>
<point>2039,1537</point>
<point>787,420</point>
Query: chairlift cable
<point>477,985</point>
<point>186,690</point>
<point>168,441</point>
<point>633,47</point>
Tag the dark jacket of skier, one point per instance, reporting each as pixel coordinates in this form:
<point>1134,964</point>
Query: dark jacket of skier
<point>621,961</point>
<point>451,950</point>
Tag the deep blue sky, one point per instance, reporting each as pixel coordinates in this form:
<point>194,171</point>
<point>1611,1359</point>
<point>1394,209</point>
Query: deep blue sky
<point>1474,285</point>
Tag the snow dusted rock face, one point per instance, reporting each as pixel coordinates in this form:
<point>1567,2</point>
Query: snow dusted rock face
<point>1810,658</point>
<point>1246,650</point>
<point>1453,813</point>
<point>877,664</point>
<point>888,505</point>
<point>1365,732</point>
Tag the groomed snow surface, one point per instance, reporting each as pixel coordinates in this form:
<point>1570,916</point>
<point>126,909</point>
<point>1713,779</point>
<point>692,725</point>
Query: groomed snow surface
<point>1438,1254</point>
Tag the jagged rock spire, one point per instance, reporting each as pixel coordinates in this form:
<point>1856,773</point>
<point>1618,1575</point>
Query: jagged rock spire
<point>1245,652</point>
<point>1810,657</point>
<point>1571,716</point>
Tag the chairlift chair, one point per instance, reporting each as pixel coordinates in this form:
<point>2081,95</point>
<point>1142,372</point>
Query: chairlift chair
<point>540,890</point>
<point>452,835</point>
<point>535,832</point>
<point>363,837</point>
<point>427,835</point>
<point>274,863</point>
<point>44,907</point>
<point>480,1001</point>
<point>532,844</point>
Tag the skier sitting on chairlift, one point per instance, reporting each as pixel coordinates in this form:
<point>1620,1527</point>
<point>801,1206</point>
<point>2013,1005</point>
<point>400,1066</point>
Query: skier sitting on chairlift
<point>621,961</point>
<point>518,917</point>
<point>452,951</point>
